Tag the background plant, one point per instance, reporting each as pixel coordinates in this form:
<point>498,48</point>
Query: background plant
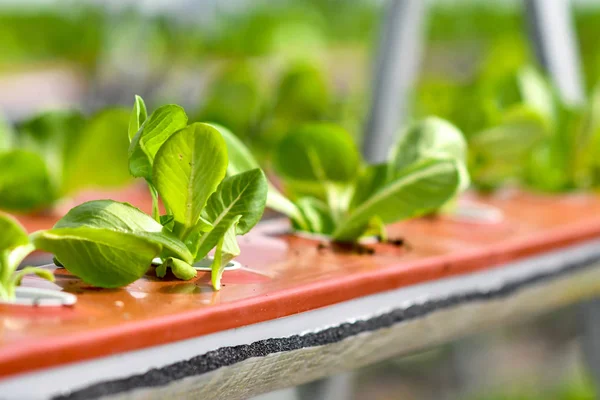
<point>538,141</point>
<point>111,244</point>
<point>55,154</point>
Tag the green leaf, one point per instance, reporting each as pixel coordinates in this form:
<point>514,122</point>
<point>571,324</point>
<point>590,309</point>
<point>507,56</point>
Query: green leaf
<point>12,234</point>
<point>430,138</point>
<point>180,269</point>
<point>227,249</point>
<point>242,160</point>
<point>7,135</point>
<point>167,221</point>
<point>15,257</point>
<point>100,159</point>
<point>317,214</point>
<point>587,144</point>
<point>123,217</point>
<point>55,137</point>
<point>193,237</point>
<point>161,270</point>
<point>377,227</point>
<point>594,109</point>
<point>537,93</point>
<point>187,170</point>
<point>138,116</point>
<point>109,214</point>
<point>546,158</point>
<point>372,178</point>
<point>14,247</point>
<point>521,128</point>
<point>100,257</point>
<point>303,94</point>
<point>238,86</point>
<point>317,152</point>
<point>421,188</point>
<point>163,122</point>
<point>278,202</point>
<point>502,152</point>
<point>242,194</point>
<point>240,157</point>
<point>24,182</point>
<point>41,272</point>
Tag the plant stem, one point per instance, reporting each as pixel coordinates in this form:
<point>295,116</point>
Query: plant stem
<point>154,194</point>
<point>278,202</point>
<point>5,270</point>
<point>338,199</point>
<point>4,293</point>
<point>181,231</point>
<point>5,278</point>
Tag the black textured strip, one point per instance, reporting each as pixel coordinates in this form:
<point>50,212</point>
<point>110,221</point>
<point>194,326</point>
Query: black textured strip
<point>226,356</point>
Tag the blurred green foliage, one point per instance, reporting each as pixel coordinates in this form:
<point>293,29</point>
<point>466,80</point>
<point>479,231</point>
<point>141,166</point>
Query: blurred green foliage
<point>234,99</point>
<point>518,129</point>
<point>53,35</point>
<point>57,153</point>
<point>277,67</point>
<point>261,110</point>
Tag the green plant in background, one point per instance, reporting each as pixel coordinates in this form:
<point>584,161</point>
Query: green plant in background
<point>335,194</point>
<point>111,244</point>
<point>51,34</point>
<point>58,153</point>
<point>302,95</point>
<point>538,141</point>
<point>238,86</point>
<point>14,247</point>
<point>265,114</point>
<point>518,130</point>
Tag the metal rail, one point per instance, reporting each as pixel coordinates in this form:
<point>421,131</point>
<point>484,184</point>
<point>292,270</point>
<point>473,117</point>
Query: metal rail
<point>398,60</point>
<point>553,36</point>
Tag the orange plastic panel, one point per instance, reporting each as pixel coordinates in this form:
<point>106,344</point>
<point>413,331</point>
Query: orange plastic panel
<point>285,275</point>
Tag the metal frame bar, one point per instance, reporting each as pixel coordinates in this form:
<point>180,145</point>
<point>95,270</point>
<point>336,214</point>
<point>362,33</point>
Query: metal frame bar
<point>399,57</point>
<point>554,39</point>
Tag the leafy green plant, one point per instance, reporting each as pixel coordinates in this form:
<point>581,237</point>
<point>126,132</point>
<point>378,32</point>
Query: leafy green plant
<point>334,193</point>
<point>14,247</point>
<point>302,95</point>
<point>111,244</point>
<point>55,154</point>
<point>538,141</point>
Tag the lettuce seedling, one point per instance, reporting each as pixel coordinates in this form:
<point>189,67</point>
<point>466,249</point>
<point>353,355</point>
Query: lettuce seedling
<point>14,247</point>
<point>336,194</point>
<point>111,244</point>
<point>539,142</point>
<point>55,154</point>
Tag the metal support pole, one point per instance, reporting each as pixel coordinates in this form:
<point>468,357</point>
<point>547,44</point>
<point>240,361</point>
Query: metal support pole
<point>399,56</point>
<point>555,44</point>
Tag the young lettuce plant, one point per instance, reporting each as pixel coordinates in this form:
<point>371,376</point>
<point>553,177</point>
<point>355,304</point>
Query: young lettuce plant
<point>539,142</point>
<point>335,194</point>
<point>111,244</point>
<point>14,247</point>
<point>55,154</point>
